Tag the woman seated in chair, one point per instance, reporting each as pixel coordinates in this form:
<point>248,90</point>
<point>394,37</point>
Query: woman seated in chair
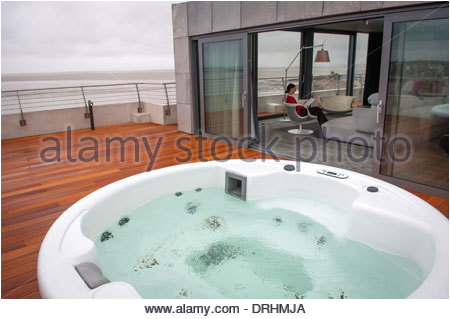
<point>301,110</point>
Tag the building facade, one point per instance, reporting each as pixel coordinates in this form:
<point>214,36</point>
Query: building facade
<point>404,76</point>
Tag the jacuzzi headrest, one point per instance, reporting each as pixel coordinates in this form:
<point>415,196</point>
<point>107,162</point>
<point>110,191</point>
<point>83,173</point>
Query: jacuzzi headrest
<point>91,274</point>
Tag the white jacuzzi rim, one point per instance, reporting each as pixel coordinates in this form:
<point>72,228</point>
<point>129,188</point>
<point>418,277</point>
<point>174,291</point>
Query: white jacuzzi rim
<point>50,248</point>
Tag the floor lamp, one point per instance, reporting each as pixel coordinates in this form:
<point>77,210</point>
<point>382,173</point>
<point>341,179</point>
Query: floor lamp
<point>321,56</point>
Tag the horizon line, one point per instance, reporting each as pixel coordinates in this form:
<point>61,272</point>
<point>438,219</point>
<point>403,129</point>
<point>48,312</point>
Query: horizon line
<point>92,71</point>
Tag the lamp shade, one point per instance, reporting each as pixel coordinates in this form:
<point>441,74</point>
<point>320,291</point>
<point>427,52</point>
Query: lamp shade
<point>322,56</point>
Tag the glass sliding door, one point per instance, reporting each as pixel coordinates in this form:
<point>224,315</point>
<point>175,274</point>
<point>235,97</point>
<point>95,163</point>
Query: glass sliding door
<point>414,90</point>
<point>223,86</point>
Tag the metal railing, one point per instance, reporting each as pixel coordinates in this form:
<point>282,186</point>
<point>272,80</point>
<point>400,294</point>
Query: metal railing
<point>32,100</point>
<point>331,83</point>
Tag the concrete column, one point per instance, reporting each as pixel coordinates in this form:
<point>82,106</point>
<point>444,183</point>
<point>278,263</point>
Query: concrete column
<point>256,13</point>
<point>182,56</point>
<point>338,7</point>
<point>199,17</point>
<point>226,15</point>
<point>183,76</point>
<point>297,10</point>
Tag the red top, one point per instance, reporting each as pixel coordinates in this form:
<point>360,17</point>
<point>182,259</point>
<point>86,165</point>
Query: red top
<point>291,100</point>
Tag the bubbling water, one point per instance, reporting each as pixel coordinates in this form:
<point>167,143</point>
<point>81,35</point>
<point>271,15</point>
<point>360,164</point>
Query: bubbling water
<point>206,244</point>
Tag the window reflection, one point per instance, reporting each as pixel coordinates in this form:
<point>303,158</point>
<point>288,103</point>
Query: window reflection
<point>276,50</point>
<point>362,40</point>
<point>331,78</point>
<point>417,102</point>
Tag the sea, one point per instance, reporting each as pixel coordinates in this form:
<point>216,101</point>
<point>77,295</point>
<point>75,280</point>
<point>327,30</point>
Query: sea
<point>63,89</point>
<point>64,79</point>
<point>270,82</point>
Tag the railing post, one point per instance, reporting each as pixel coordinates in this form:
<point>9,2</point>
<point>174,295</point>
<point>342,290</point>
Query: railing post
<point>338,77</point>
<point>22,121</point>
<point>167,95</point>
<point>86,114</point>
<point>139,99</point>
<point>91,114</point>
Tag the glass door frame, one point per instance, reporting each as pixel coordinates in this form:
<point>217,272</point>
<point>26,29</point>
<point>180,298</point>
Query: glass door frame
<point>245,96</point>
<point>389,20</point>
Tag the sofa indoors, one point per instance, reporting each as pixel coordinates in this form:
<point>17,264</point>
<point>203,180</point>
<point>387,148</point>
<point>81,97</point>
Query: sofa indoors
<point>352,129</point>
<point>271,103</point>
<point>337,104</point>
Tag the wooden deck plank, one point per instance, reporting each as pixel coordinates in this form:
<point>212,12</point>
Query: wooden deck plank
<point>19,261</point>
<point>31,227</point>
<point>16,282</point>
<point>22,291</point>
<point>35,193</point>
<point>23,237</point>
<point>19,270</point>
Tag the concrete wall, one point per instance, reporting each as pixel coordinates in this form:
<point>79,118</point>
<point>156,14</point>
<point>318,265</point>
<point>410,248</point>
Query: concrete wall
<point>52,121</point>
<point>160,114</point>
<point>204,17</point>
<point>182,53</point>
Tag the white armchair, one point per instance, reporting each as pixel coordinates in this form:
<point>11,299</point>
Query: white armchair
<point>294,117</point>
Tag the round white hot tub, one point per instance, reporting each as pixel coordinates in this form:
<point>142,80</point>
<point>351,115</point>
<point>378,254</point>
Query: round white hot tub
<point>238,229</point>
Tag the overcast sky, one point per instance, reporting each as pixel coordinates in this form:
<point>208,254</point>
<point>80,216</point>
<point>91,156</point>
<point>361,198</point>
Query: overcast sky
<point>86,36</point>
<point>113,36</point>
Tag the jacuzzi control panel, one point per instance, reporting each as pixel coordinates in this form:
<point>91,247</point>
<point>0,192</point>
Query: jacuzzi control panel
<point>332,174</point>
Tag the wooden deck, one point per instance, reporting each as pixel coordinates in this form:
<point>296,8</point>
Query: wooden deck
<point>34,193</point>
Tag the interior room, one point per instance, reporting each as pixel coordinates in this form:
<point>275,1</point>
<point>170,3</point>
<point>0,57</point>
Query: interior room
<point>344,87</point>
<point>343,81</point>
